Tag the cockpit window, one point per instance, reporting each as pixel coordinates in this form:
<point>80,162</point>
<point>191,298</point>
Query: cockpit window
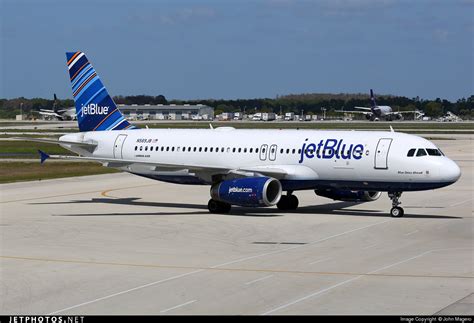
<point>433,152</point>
<point>411,152</point>
<point>421,152</point>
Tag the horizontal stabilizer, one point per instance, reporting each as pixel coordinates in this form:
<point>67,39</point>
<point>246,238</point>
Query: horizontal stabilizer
<point>43,156</point>
<point>56,141</point>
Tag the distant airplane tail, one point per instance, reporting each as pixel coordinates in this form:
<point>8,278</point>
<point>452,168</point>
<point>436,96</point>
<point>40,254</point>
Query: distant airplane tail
<point>373,105</point>
<point>95,109</point>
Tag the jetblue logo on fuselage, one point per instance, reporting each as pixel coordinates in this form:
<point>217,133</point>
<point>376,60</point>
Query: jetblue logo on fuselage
<point>331,148</point>
<point>94,109</point>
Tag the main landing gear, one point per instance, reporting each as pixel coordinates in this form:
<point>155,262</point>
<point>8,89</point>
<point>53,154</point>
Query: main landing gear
<point>288,202</point>
<point>396,210</point>
<point>218,207</point>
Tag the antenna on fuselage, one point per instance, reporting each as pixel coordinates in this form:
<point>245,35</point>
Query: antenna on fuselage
<point>210,126</point>
<point>391,129</point>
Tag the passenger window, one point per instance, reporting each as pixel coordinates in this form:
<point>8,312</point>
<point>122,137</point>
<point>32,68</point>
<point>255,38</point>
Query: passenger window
<point>222,149</point>
<point>245,150</point>
<point>433,152</point>
<point>141,148</point>
<point>172,149</point>
<point>146,148</point>
<point>211,149</point>
<point>233,150</point>
<point>156,148</point>
<point>168,148</point>
<point>162,148</point>
<point>205,149</point>
<point>293,151</point>
<point>299,151</point>
<point>420,152</point>
<point>200,149</point>
<point>136,147</point>
<point>411,152</point>
<point>281,151</point>
<point>287,151</point>
<point>256,150</point>
<point>251,149</point>
<point>240,149</point>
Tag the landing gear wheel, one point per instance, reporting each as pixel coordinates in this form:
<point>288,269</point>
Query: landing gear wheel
<point>397,212</point>
<point>293,202</point>
<point>218,207</point>
<point>288,202</point>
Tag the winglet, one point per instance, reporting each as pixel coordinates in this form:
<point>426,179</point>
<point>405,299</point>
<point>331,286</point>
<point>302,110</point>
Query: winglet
<point>43,156</point>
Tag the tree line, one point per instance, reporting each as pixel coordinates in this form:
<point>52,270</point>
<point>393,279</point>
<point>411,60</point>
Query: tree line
<point>310,103</point>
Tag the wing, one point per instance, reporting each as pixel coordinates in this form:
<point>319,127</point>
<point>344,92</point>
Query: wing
<point>276,171</point>
<point>363,108</point>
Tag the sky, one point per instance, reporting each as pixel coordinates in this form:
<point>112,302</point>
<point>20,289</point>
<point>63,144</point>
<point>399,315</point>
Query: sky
<point>241,49</point>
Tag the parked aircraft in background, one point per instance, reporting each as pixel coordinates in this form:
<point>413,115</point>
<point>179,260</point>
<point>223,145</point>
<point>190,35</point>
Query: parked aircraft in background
<point>252,167</point>
<point>58,114</point>
<point>378,112</point>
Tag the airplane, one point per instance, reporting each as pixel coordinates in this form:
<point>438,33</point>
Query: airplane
<point>378,112</point>
<point>62,115</point>
<point>251,167</point>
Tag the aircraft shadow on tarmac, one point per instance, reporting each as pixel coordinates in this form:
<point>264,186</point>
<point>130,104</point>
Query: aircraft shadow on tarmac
<point>337,209</point>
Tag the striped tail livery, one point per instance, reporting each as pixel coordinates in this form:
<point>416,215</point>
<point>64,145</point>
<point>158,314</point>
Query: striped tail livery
<point>96,111</point>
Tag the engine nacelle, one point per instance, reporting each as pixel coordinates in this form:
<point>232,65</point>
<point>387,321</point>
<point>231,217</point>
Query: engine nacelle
<point>248,191</point>
<point>349,196</point>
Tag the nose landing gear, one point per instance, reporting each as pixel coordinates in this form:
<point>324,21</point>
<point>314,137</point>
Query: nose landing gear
<point>396,210</point>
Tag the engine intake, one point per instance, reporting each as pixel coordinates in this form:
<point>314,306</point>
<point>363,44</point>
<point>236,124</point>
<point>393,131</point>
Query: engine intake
<point>248,191</point>
<point>349,196</point>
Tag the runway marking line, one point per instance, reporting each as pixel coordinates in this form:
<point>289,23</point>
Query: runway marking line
<point>222,265</point>
<point>257,280</point>
<point>177,306</point>
<point>103,193</point>
<point>124,292</point>
<point>355,278</point>
<point>263,270</point>
<point>320,260</point>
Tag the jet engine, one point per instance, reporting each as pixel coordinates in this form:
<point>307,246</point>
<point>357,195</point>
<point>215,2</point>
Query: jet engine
<point>349,196</point>
<point>248,191</point>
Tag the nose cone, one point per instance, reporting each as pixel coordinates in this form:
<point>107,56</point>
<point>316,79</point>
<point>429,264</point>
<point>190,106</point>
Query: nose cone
<point>450,171</point>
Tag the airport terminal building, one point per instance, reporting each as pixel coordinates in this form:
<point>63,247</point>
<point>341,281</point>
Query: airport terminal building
<point>167,112</point>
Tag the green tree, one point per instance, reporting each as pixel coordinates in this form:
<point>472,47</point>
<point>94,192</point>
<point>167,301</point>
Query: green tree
<point>433,109</point>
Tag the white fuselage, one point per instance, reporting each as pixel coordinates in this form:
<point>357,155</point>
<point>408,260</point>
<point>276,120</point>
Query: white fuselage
<point>351,160</point>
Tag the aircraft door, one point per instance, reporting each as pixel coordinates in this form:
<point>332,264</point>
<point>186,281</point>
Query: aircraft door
<point>119,145</point>
<point>263,152</point>
<point>381,153</point>
<point>273,152</point>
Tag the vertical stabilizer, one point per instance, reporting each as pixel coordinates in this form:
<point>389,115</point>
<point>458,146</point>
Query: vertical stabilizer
<point>95,109</point>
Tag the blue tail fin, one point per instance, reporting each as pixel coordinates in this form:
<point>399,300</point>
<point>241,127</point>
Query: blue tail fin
<point>95,108</point>
<point>373,105</point>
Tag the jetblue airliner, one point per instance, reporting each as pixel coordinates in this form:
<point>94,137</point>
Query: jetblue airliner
<point>378,112</point>
<point>252,167</point>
